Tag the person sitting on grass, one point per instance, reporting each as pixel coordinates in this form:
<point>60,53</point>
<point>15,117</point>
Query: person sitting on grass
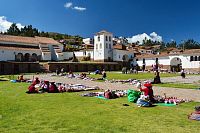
<point>104,74</point>
<point>53,88</point>
<point>45,86</point>
<point>36,81</point>
<point>83,75</point>
<point>71,74</point>
<point>183,73</point>
<point>148,91</point>
<point>20,78</point>
<point>32,89</point>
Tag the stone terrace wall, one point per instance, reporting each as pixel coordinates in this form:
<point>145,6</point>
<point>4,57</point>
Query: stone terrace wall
<point>19,67</point>
<point>83,67</point>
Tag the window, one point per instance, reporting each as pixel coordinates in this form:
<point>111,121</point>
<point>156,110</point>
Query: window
<point>106,45</point>
<point>99,38</point>
<point>109,46</point>
<point>195,58</point>
<point>96,46</point>
<point>106,38</point>
<point>100,46</point>
<point>110,38</point>
<point>191,58</point>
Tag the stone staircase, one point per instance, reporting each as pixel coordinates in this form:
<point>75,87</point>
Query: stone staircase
<point>44,48</point>
<point>57,49</point>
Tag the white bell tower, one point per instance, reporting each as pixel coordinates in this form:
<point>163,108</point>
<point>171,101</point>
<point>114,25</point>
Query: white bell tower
<point>103,46</point>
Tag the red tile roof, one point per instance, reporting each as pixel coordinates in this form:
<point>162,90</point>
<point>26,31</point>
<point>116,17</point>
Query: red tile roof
<point>17,48</point>
<point>28,40</point>
<point>164,54</point>
<point>19,39</point>
<point>45,40</point>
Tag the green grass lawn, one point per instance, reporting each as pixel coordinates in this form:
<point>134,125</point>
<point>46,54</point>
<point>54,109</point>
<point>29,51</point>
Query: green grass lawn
<point>176,85</point>
<point>69,112</point>
<point>115,75</point>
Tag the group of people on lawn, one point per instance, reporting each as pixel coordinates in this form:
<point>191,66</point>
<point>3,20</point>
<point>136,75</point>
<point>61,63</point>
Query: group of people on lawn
<point>45,86</point>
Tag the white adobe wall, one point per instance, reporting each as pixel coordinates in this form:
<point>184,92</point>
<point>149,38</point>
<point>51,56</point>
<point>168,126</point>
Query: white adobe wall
<point>9,55</point>
<point>67,55</point>
<point>185,60</point>
<point>79,53</point>
<point>46,56</point>
<point>186,63</point>
<point>60,56</point>
<point>118,54</point>
<point>84,54</point>
<point>6,55</point>
<point>151,61</point>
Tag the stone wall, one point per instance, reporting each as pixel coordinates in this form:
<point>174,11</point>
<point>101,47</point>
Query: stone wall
<point>18,67</point>
<point>83,67</point>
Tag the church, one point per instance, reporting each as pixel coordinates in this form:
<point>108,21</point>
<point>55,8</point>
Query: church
<point>29,49</point>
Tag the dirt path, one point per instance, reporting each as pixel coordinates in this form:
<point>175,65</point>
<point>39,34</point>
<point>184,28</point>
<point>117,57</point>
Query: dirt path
<point>180,93</point>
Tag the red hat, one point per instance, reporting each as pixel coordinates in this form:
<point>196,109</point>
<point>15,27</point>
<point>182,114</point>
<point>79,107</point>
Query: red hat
<point>148,85</point>
<point>46,82</point>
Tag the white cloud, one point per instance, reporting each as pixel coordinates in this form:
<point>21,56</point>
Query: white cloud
<point>79,8</point>
<point>140,37</point>
<point>5,24</point>
<point>69,5</point>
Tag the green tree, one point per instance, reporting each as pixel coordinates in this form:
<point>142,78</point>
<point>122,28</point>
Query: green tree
<point>171,44</point>
<point>189,44</point>
<point>13,30</point>
<point>29,31</point>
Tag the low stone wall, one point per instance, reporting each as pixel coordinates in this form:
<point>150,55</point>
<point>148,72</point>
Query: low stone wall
<point>19,67</point>
<point>82,67</point>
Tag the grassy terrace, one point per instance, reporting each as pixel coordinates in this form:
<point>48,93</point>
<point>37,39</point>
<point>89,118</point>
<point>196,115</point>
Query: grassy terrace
<point>69,112</point>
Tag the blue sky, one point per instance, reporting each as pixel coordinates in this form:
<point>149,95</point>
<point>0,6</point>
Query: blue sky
<point>171,19</point>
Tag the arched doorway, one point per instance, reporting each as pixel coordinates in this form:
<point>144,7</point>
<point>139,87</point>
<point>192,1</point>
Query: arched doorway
<point>27,57</point>
<point>176,64</point>
<point>34,57</point>
<point>19,57</point>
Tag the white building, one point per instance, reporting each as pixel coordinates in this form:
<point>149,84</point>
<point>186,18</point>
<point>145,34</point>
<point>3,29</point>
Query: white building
<point>103,46</point>
<point>173,61</point>
<point>18,48</point>
<point>88,41</point>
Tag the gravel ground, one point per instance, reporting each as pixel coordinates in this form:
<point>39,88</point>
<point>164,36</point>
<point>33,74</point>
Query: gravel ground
<point>179,79</point>
<point>190,94</point>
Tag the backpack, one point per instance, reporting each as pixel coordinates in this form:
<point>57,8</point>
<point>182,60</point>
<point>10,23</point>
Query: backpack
<point>133,95</point>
